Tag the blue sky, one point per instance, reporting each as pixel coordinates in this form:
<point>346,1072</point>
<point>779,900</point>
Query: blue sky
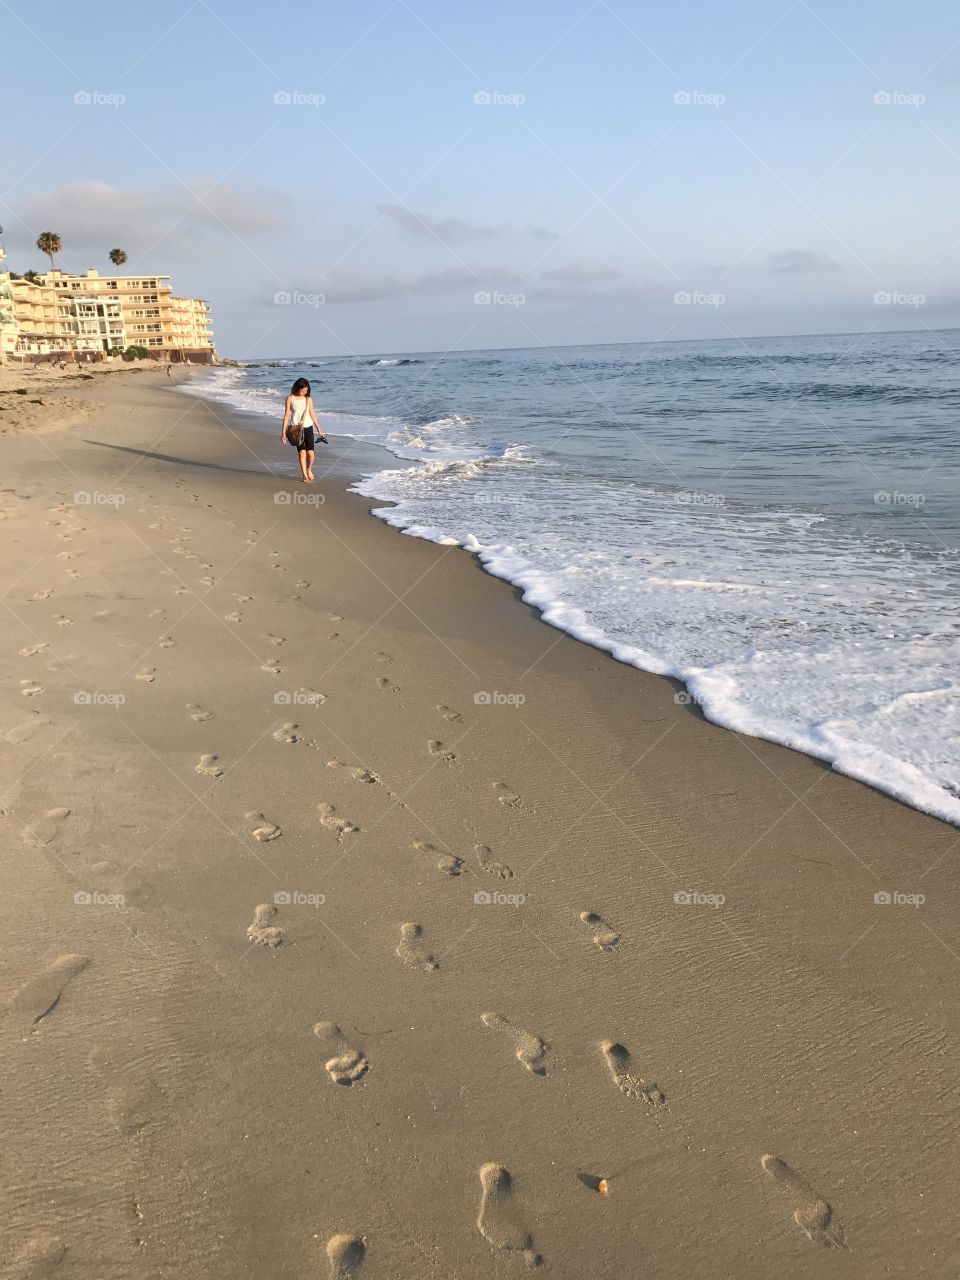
<point>414,176</point>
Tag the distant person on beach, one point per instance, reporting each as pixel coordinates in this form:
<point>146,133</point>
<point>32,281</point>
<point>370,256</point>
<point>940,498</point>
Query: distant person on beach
<point>299,421</point>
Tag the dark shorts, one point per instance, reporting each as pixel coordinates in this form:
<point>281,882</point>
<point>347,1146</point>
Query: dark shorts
<point>309,441</point>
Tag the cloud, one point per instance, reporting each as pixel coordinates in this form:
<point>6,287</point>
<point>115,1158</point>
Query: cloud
<point>346,286</point>
<point>800,262</point>
<point>453,230</point>
<point>585,271</point>
<point>175,221</point>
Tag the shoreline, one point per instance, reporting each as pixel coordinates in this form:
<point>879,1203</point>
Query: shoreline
<point>179,1068</point>
<point>892,776</point>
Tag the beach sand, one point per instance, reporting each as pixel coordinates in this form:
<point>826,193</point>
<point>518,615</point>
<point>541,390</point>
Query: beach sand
<point>325,954</point>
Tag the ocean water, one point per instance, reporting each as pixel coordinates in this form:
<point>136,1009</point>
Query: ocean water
<point>774,522</point>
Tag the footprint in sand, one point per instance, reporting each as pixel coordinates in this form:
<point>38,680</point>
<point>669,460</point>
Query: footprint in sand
<point>205,581</point>
<point>490,864</point>
<point>618,1060</point>
<point>262,929</point>
<point>210,766</point>
<point>412,950</point>
<point>38,1258</point>
<point>436,748</point>
<point>62,621</point>
<point>166,642</point>
<point>497,1221</point>
<point>387,685</point>
<point>45,829</point>
<point>606,939</point>
<point>232,617</point>
<point>530,1049</point>
<point>21,732</point>
<point>345,1255</point>
<point>358,774</point>
<point>32,650</point>
<point>198,713</point>
<point>448,713</point>
<point>277,640</point>
<point>264,831</point>
<point>301,584</point>
<point>344,1063</point>
<point>30,688</point>
<point>157,613</point>
<point>330,822</point>
<point>133,1098</point>
<point>43,595</point>
<point>241,599</point>
<point>813,1215</point>
<point>286,733</point>
<point>40,995</point>
<point>383,657</point>
<point>272,668</point>
<point>507,797</point>
<point>448,863</point>
<point>147,675</point>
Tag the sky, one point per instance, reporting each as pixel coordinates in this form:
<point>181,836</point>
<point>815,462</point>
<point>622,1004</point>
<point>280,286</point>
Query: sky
<point>421,175</point>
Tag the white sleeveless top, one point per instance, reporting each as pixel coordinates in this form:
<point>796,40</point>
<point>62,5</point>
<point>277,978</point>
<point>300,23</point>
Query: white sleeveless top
<point>299,411</point>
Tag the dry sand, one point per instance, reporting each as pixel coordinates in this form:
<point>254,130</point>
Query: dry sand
<point>316,963</point>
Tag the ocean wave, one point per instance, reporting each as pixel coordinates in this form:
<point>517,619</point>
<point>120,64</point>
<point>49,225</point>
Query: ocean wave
<point>398,360</point>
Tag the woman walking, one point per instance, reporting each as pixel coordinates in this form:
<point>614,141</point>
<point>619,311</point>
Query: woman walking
<point>299,421</point>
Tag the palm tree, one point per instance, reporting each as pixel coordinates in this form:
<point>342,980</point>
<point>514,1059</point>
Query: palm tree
<point>117,257</point>
<point>48,242</point>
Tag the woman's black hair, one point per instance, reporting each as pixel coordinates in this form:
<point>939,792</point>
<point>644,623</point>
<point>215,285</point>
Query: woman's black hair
<point>299,385</point>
